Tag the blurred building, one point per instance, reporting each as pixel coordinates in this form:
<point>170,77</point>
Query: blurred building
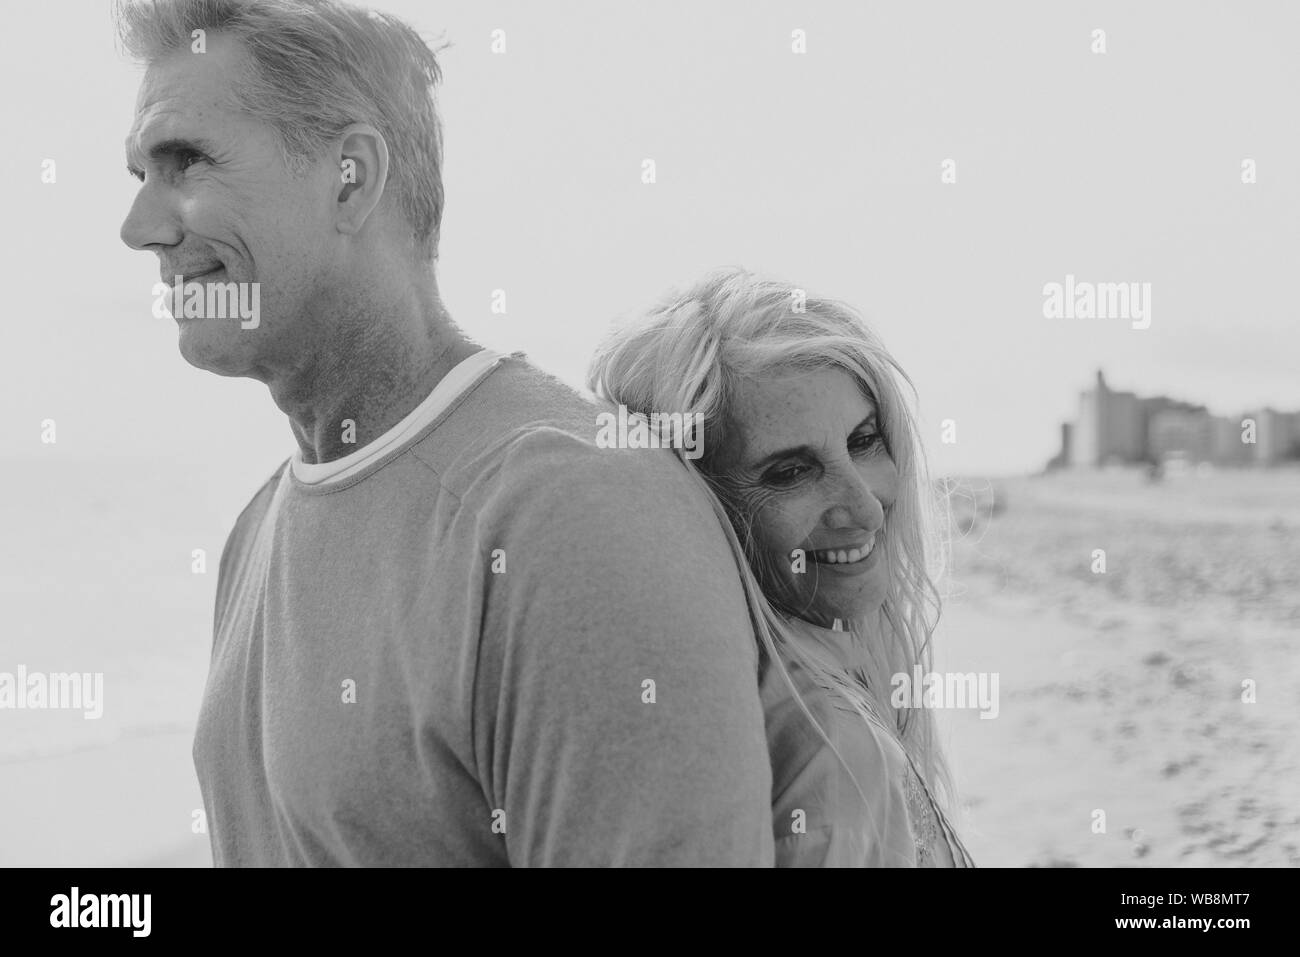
<point>1122,428</point>
<point>1105,424</point>
<point>1229,449</point>
<point>1111,427</point>
<point>1177,433</point>
<point>1277,436</point>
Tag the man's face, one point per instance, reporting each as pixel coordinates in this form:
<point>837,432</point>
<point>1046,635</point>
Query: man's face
<point>216,194</point>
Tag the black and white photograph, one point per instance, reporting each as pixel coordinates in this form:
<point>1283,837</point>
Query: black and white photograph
<point>632,434</point>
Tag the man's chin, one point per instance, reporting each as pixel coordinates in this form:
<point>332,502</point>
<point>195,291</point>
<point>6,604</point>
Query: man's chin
<point>208,347</point>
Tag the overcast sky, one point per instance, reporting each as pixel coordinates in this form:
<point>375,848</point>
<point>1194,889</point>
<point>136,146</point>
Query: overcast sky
<point>821,168</point>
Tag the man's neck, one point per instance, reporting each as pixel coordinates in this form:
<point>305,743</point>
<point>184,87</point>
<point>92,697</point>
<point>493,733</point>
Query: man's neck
<point>359,389</point>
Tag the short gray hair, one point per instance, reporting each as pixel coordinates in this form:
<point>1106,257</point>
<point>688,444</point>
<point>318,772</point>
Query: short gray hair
<point>317,67</point>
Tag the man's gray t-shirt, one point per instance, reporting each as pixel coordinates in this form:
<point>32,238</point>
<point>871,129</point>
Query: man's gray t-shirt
<point>497,644</point>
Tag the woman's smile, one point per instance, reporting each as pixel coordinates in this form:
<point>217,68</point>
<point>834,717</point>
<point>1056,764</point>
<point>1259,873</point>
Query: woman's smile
<point>853,559</point>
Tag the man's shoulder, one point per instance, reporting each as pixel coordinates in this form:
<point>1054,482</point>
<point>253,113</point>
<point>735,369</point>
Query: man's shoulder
<point>255,510</point>
<point>527,429</point>
<point>242,533</point>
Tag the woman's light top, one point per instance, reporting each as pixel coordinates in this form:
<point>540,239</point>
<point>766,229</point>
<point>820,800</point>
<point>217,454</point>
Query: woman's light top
<point>877,812</point>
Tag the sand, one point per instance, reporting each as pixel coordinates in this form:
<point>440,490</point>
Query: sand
<point>1122,691</point>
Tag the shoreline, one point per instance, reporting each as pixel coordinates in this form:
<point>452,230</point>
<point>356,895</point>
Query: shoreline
<point>126,803</point>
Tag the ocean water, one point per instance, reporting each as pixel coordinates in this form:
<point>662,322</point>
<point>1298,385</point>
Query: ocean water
<point>97,575</point>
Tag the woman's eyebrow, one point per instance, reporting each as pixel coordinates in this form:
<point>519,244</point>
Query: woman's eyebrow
<point>805,449</point>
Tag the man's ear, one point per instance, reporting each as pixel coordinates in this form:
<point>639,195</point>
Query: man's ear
<point>363,174</point>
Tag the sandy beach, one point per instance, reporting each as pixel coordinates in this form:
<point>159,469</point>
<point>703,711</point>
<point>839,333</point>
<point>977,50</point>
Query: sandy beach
<point>1122,691</point>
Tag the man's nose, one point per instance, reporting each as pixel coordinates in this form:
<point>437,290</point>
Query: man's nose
<point>150,222</point>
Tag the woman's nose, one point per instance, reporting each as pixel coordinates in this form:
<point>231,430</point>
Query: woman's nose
<point>856,501</point>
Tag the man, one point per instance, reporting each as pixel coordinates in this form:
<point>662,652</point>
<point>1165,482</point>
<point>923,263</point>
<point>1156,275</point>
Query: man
<point>451,629</point>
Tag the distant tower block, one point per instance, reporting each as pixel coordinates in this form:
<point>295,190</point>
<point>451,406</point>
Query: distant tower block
<point>1121,427</point>
<point>1111,426</point>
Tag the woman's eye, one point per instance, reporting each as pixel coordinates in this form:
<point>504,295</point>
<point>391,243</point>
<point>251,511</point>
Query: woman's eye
<point>183,160</point>
<point>864,442</point>
<point>788,475</point>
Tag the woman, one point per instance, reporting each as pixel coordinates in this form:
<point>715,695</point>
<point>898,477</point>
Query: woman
<point>813,460</point>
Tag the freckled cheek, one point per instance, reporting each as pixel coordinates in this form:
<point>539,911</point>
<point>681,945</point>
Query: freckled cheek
<point>785,525</point>
<point>882,477</point>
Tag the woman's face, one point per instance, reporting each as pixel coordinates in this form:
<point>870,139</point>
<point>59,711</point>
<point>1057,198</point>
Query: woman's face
<point>806,460</point>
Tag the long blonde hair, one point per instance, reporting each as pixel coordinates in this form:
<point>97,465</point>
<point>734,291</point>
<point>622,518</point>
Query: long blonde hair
<point>687,355</point>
